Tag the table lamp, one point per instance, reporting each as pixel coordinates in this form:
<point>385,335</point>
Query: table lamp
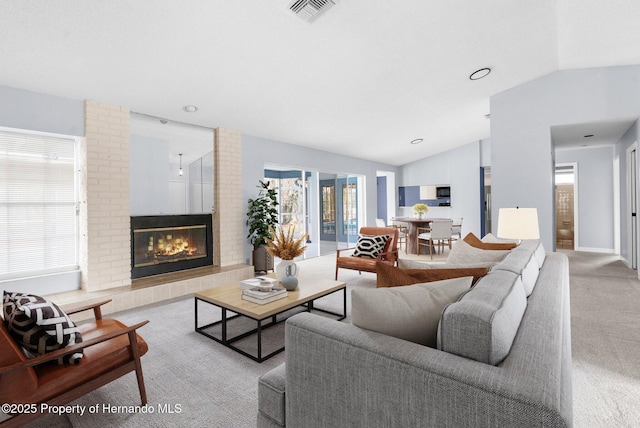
<point>518,223</point>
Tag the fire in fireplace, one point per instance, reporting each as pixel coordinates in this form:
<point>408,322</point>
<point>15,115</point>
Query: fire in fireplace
<point>161,244</point>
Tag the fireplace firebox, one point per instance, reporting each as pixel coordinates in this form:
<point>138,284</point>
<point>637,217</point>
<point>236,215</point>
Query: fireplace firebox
<point>162,244</point>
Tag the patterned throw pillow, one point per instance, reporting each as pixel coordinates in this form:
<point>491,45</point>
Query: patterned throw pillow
<point>370,246</point>
<point>40,326</point>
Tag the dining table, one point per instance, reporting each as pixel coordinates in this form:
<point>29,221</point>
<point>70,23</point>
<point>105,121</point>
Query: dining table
<point>413,223</point>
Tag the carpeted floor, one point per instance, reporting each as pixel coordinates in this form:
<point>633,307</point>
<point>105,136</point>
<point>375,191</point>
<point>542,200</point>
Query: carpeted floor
<point>208,385</point>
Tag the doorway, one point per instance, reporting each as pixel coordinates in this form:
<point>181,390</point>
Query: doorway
<point>566,201</point>
<point>485,200</point>
<point>339,208</point>
<point>632,203</point>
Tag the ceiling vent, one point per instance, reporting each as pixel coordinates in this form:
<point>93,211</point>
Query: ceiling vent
<point>310,10</point>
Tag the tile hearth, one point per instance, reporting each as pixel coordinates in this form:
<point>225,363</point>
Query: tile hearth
<point>152,289</point>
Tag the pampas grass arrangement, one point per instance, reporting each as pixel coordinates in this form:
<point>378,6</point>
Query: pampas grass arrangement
<point>283,245</point>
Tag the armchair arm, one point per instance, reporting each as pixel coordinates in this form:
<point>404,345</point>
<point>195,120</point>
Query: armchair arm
<point>344,249</point>
<point>97,312</point>
<point>74,348</point>
<point>391,254</point>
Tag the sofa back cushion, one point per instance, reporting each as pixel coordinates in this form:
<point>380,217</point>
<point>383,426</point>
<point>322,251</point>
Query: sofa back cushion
<point>483,323</point>
<point>408,312</point>
<point>523,263</point>
<point>464,254</point>
<point>535,246</point>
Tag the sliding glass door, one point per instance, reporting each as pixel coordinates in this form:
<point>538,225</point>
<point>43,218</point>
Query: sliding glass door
<point>339,205</point>
<point>327,206</point>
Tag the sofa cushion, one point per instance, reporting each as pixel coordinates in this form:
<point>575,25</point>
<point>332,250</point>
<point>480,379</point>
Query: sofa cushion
<point>464,254</point>
<point>271,395</point>
<point>522,262</point>
<point>483,323</point>
<point>391,276</point>
<point>476,242</point>
<point>535,246</point>
<point>408,312</point>
<point>370,246</point>
<point>40,326</point>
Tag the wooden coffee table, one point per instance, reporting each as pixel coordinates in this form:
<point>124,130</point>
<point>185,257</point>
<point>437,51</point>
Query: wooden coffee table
<point>229,299</point>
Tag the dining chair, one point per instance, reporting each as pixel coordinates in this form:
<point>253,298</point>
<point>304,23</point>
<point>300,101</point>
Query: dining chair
<point>403,235</point>
<point>456,228</point>
<point>437,235</point>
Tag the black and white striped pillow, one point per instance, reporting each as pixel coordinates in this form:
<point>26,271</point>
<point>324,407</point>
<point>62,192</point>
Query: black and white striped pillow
<point>40,326</point>
<point>370,246</point>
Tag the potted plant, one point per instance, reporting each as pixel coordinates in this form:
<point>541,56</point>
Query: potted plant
<point>262,215</point>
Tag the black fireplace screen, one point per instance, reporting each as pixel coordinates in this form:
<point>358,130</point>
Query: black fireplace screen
<point>161,244</point>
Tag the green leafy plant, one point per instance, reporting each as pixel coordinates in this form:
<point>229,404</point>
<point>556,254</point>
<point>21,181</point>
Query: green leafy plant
<point>262,215</point>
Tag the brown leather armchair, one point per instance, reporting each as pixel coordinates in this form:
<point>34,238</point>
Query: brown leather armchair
<point>111,350</point>
<point>389,254</point>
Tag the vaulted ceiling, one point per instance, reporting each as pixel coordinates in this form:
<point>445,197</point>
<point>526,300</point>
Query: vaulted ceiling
<point>365,79</point>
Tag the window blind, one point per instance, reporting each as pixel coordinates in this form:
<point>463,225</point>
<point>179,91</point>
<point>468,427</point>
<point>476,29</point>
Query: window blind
<point>38,200</point>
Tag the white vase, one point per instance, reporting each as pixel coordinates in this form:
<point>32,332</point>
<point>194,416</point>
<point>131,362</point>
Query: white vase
<point>281,269</point>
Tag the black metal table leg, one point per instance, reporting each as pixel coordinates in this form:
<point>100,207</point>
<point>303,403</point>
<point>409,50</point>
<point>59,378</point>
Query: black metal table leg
<point>224,325</point>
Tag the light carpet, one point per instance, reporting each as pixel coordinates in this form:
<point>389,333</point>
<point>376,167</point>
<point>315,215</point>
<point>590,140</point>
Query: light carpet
<point>216,387</point>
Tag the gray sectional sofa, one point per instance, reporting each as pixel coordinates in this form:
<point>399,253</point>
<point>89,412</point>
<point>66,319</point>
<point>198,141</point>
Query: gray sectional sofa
<point>503,360</point>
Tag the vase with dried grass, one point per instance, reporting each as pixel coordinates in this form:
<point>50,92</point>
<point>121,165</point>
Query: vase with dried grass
<point>283,245</point>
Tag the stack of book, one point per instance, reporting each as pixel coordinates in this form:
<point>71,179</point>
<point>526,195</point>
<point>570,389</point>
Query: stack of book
<point>258,281</point>
<point>263,295</point>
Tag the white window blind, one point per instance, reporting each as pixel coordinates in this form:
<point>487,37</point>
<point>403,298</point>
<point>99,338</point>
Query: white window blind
<point>38,222</point>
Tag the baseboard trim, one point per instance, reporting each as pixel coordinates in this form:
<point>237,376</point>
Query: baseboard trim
<point>596,250</point>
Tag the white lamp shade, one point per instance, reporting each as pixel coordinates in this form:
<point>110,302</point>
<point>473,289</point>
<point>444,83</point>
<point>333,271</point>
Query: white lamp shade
<point>518,223</point>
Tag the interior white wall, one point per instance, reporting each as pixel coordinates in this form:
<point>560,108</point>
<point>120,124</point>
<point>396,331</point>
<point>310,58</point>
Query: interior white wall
<point>257,151</point>
<point>459,168</point>
<point>40,112</point>
<point>595,175</point>
<point>522,164</point>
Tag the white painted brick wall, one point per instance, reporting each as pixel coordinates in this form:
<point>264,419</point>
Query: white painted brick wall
<point>105,249</point>
<point>228,218</point>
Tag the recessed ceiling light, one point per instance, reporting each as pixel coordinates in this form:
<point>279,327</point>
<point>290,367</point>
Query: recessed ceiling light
<point>417,141</point>
<point>164,121</point>
<point>487,116</point>
<point>190,109</point>
<point>479,74</point>
<point>588,136</point>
